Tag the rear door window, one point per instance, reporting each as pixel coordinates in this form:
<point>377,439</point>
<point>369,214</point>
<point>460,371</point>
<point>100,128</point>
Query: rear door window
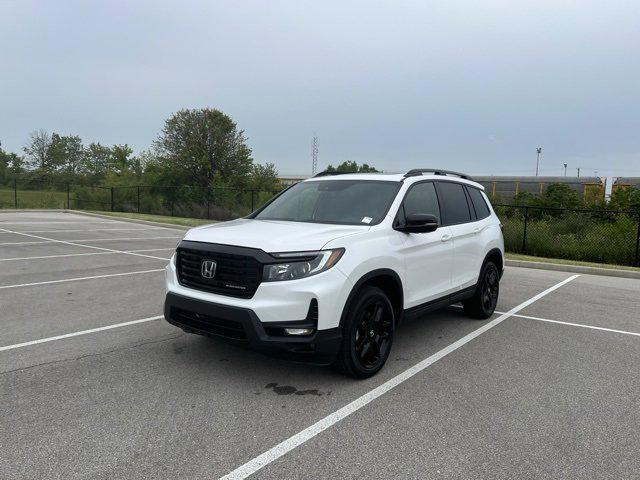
<point>479,203</point>
<point>453,203</point>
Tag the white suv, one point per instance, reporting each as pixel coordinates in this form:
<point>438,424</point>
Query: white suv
<point>326,270</point>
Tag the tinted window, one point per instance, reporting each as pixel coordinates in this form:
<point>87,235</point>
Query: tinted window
<point>421,198</point>
<point>479,203</point>
<point>453,203</point>
<point>358,202</point>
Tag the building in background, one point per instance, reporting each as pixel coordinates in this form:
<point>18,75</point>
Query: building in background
<point>625,182</point>
<point>590,189</point>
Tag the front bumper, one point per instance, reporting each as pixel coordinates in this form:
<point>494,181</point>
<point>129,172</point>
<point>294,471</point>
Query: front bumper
<point>242,326</point>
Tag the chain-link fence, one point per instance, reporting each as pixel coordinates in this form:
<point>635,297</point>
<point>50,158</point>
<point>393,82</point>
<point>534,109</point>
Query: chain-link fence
<point>601,236</point>
<point>182,201</point>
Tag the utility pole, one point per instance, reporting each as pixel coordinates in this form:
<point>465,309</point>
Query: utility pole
<point>314,155</point>
<point>538,151</point>
<point>565,169</point>
<point>578,172</point>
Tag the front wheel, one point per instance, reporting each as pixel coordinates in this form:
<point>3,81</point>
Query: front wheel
<point>367,334</point>
<point>485,298</point>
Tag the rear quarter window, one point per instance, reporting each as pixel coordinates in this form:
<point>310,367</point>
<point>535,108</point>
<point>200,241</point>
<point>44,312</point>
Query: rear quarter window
<point>479,203</point>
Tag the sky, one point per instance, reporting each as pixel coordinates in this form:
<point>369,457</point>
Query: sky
<point>465,85</point>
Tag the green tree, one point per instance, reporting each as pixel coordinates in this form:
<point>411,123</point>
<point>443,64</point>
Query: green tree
<point>66,153</point>
<point>37,149</point>
<point>264,178</point>
<point>202,144</point>
<point>120,158</point>
<point>11,164</point>
<point>4,166</point>
<point>96,160</point>
<point>560,195</point>
<point>352,167</point>
<point>625,198</point>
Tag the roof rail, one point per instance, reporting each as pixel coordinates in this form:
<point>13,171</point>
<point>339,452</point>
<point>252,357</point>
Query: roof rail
<point>327,173</point>
<point>436,171</point>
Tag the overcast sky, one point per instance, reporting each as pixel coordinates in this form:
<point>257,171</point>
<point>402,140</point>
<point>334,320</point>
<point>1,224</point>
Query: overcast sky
<point>467,85</point>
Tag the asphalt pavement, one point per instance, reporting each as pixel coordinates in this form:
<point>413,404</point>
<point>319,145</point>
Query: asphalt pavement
<point>548,391</point>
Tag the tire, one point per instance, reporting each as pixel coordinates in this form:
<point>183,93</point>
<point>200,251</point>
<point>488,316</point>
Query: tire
<point>485,298</point>
<point>367,334</point>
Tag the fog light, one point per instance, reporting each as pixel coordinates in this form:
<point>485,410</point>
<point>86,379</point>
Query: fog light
<point>298,331</point>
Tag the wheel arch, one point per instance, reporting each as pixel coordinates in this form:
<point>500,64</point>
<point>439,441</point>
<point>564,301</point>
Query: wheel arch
<point>495,255</point>
<point>388,281</point>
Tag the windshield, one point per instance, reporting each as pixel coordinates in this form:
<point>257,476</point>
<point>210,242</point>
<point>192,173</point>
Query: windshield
<point>352,202</point>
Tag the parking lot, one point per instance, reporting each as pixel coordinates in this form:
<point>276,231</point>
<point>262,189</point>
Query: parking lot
<point>95,384</point>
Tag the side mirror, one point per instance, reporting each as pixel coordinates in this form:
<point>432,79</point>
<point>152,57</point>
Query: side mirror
<point>419,223</point>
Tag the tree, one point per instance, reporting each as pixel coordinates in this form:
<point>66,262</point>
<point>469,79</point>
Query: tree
<point>203,144</point>
<point>120,160</point>
<point>352,167</point>
<point>10,165</point>
<point>264,178</point>
<point>560,195</point>
<point>96,160</point>
<point>625,198</point>
<point>4,166</point>
<point>37,150</point>
<point>66,153</point>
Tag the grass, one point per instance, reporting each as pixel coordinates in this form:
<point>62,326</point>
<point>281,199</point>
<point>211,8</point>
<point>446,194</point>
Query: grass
<point>184,221</point>
<point>33,198</point>
<point>560,261</point>
<point>581,237</point>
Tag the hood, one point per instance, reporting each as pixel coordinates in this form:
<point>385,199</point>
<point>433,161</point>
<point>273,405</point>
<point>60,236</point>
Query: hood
<point>272,236</point>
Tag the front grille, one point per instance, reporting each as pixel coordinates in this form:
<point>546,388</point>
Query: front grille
<point>235,275</point>
<point>206,323</point>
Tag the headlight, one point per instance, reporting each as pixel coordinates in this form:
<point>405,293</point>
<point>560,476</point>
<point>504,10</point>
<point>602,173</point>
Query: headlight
<point>301,264</point>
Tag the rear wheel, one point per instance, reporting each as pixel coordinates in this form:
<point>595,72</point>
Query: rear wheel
<point>485,298</point>
<point>367,334</point>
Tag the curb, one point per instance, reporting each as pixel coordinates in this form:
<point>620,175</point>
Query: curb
<point>130,220</point>
<point>609,272</point>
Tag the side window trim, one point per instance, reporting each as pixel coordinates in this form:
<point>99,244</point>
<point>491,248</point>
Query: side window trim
<point>472,208</point>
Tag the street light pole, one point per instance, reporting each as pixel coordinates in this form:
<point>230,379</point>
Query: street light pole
<point>565,169</point>
<point>538,151</point>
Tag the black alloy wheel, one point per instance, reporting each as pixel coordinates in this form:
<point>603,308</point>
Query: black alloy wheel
<point>490,288</point>
<point>367,334</point>
<point>373,333</point>
<point>485,298</point>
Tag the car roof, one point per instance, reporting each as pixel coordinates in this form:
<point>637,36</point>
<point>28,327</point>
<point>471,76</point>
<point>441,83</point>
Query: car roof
<point>394,177</point>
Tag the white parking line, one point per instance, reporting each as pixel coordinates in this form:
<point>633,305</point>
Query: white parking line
<point>64,280</point>
<point>581,325</point>
<point>66,242</point>
<point>141,229</point>
<point>298,439</point>
<point>112,239</point>
<point>44,257</point>
<point>82,332</point>
<point>79,222</point>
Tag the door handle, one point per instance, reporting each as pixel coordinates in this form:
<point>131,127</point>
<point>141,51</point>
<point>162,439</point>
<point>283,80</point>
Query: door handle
<point>477,231</point>
<point>446,237</point>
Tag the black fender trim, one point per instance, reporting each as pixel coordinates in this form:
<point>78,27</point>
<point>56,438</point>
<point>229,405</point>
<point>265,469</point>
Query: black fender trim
<point>491,252</point>
<point>366,277</point>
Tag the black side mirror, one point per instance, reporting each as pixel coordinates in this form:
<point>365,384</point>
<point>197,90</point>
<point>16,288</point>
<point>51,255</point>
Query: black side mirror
<point>419,223</point>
